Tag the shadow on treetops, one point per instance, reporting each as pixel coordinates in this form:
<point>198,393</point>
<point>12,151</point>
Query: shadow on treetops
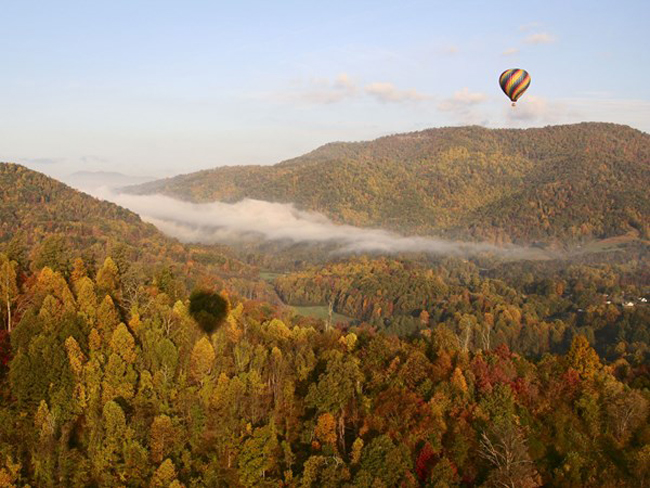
<point>209,309</point>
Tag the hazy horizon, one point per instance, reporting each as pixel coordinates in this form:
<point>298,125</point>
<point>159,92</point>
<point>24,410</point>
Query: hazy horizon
<point>90,180</point>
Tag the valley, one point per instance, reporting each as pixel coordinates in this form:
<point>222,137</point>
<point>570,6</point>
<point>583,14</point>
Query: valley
<point>508,305</point>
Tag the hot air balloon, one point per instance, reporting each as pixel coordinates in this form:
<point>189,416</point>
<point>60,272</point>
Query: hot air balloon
<point>514,83</point>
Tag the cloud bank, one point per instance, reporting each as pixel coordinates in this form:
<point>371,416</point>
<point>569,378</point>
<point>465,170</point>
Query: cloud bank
<point>228,223</point>
<point>324,91</point>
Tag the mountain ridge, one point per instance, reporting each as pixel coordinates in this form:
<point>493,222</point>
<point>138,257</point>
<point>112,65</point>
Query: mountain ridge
<point>557,183</point>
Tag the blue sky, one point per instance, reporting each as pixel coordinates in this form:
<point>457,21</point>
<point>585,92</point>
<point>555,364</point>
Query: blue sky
<point>160,88</point>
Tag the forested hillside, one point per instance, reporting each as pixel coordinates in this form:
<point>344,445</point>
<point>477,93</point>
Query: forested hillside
<point>49,224</point>
<point>100,387</point>
<point>533,308</point>
<point>563,184</point>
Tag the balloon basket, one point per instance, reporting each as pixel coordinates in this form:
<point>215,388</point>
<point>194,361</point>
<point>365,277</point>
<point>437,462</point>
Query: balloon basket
<point>514,104</point>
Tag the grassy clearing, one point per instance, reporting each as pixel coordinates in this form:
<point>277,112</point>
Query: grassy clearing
<point>321,312</point>
<point>269,276</point>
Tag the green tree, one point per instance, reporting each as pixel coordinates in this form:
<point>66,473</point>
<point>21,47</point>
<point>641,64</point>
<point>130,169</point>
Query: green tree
<point>16,249</point>
<point>338,391</point>
<point>52,253</point>
<point>384,463</point>
<point>258,456</point>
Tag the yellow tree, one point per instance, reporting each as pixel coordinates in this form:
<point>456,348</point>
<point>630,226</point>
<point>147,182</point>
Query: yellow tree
<point>165,476</point>
<point>44,450</point>
<point>161,435</point>
<point>120,377</point>
<point>123,344</point>
<point>582,358</point>
<point>86,298</point>
<point>53,283</point>
<point>201,360</point>
<point>107,319</point>
<point>108,277</point>
<point>78,270</point>
<point>325,430</point>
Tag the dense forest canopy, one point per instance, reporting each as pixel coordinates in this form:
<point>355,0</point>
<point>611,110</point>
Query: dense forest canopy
<point>560,184</point>
<point>102,388</point>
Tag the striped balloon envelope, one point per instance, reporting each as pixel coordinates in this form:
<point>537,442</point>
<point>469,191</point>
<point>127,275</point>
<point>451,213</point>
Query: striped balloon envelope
<point>514,83</point>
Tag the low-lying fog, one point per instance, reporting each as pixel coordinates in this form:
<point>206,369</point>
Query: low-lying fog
<point>228,223</point>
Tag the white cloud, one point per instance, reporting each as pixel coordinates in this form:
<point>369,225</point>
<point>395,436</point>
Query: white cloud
<point>219,222</point>
<point>461,100</point>
<point>387,92</point>
<point>533,109</point>
<point>344,81</point>
<point>90,159</point>
<point>540,38</point>
<point>511,51</point>
<point>463,105</point>
<point>324,91</point>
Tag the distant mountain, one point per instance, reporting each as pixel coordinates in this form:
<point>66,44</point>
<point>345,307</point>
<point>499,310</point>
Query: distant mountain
<point>570,183</point>
<point>91,180</point>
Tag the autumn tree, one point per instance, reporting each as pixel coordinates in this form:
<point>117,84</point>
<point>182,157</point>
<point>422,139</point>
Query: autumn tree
<point>161,436</point>
<point>53,253</point>
<point>337,391</point>
<point>201,360</point>
<point>258,456</point>
<point>582,357</point>
<point>108,277</point>
<point>165,476</point>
